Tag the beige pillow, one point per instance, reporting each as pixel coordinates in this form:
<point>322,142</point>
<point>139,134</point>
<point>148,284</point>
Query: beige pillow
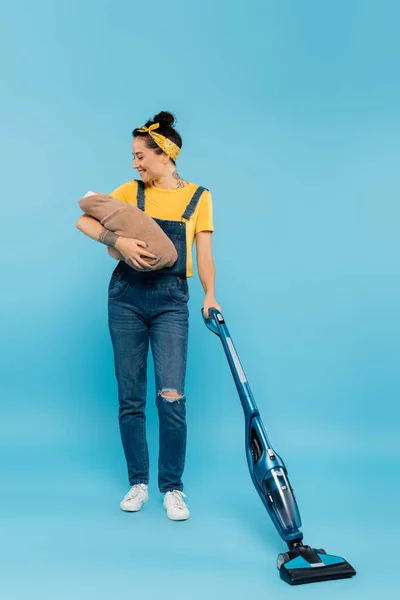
<point>129,221</point>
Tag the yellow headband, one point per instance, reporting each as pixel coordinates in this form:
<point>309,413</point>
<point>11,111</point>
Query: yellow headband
<point>162,142</point>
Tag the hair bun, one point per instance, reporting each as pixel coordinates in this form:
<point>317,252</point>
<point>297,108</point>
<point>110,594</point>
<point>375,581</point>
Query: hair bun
<point>165,118</point>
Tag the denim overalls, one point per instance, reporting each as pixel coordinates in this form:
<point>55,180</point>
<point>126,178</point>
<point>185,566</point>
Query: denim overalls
<point>151,307</point>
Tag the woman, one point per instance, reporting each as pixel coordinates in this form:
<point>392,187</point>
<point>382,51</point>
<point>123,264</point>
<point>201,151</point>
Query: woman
<point>151,307</point>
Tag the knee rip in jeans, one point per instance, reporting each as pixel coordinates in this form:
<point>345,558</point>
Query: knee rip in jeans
<point>170,395</point>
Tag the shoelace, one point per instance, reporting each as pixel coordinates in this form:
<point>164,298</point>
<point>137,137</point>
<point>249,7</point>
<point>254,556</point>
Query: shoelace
<point>133,492</point>
<point>175,497</point>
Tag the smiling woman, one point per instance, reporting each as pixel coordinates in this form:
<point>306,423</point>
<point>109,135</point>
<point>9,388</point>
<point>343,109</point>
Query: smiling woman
<point>160,137</point>
<point>151,307</point>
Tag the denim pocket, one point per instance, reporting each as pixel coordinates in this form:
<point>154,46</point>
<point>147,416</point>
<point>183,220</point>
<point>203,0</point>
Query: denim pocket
<point>117,286</point>
<point>179,292</point>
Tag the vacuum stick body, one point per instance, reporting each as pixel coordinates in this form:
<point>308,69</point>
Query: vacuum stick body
<point>301,564</point>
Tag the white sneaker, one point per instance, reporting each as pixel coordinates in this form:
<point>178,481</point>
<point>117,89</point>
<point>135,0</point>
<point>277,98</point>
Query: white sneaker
<point>135,498</point>
<point>175,505</point>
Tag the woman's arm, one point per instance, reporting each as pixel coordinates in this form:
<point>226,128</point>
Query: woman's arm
<point>206,269</point>
<point>128,249</point>
<point>95,230</point>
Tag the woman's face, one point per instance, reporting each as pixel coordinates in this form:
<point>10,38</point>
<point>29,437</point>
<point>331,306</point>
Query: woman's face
<point>149,164</point>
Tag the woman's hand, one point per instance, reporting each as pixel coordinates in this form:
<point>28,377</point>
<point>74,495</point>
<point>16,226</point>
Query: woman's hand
<point>132,252</point>
<point>210,302</point>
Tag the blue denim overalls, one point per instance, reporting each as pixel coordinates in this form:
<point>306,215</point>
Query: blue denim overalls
<point>151,307</point>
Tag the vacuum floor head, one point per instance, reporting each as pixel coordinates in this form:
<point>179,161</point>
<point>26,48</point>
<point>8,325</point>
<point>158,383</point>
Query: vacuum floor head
<point>303,564</point>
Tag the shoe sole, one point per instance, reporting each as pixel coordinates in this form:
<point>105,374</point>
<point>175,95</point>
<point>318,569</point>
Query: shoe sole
<point>176,518</point>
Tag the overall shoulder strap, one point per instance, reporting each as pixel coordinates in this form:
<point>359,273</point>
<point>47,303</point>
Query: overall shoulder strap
<point>191,207</point>
<point>140,194</point>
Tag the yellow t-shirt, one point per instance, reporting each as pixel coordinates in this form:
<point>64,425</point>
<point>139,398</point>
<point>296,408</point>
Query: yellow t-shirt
<point>170,205</point>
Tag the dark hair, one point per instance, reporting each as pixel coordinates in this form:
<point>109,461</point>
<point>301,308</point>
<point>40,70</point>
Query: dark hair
<point>166,120</point>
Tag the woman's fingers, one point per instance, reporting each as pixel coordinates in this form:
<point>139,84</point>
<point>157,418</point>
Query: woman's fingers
<point>132,262</point>
<point>138,256</point>
<point>143,263</point>
<point>135,263</point>
<point>145,252</point>
<point>148,254</point>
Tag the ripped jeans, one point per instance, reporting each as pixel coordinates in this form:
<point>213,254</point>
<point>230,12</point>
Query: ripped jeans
<point>140,312</point>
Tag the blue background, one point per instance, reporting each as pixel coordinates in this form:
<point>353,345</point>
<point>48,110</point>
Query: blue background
<point>289,113</point>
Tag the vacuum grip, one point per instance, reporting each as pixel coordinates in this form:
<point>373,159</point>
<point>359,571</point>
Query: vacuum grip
<point>214,320</point>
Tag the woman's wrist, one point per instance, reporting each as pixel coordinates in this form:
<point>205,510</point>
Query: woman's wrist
<point>109,238</point>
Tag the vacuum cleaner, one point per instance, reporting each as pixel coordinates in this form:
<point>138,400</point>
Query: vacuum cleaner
<point>301,563</point>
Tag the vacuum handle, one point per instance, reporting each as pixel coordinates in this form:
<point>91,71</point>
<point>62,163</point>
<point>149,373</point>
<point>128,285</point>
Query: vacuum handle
<point>215,320</point>
<point>217,325</point>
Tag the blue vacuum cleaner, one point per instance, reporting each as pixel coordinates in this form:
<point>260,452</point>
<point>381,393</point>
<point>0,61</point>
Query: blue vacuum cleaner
<point>301,563</point>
